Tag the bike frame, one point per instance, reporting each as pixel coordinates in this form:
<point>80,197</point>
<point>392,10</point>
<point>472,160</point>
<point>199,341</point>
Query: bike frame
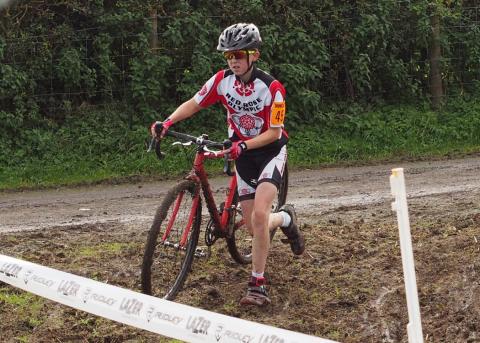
<point>199,175</point>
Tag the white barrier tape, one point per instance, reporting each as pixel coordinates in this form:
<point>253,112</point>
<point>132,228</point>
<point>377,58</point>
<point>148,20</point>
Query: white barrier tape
<point>139,310</point>
<point>397,184</point>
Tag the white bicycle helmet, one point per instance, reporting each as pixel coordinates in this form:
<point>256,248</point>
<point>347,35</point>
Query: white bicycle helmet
<point>239,37</point>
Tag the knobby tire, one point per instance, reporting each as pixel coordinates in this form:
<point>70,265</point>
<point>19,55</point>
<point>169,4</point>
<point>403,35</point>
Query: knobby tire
<point>154,244</point>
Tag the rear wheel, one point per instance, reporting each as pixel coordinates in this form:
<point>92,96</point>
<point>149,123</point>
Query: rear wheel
<point>165,263</point>
<point>240,242</point>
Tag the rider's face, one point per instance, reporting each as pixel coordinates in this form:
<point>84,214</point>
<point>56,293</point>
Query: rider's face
<point>238,61</point>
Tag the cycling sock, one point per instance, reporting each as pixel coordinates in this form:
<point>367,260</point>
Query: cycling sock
<point>286,219</point>
<point>257,275</point>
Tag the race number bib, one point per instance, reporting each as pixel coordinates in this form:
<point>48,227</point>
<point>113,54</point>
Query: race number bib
<point>278,113</point>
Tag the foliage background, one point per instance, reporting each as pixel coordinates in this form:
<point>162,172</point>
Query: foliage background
<point>81,80</point>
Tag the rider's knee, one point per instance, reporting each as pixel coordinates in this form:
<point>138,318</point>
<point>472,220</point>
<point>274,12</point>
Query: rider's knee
<point>259,217</point>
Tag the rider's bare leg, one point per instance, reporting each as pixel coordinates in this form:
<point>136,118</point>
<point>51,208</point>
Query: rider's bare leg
<point>259,221</point>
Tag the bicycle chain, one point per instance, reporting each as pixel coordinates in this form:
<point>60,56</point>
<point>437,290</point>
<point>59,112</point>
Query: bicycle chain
<point>210,237</point>
<point>211,234</point>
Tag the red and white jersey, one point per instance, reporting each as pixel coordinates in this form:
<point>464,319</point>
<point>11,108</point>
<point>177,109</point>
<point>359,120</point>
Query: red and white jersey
<point>252,107</point>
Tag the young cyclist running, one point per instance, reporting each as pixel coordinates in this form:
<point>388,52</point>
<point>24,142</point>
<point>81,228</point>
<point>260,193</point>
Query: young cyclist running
<point>255,104</point>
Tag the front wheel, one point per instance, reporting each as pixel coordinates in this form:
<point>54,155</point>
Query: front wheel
<point>166,261</point>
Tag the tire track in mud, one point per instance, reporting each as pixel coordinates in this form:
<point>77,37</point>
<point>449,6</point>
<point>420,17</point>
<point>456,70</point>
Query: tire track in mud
<point>350,276</point>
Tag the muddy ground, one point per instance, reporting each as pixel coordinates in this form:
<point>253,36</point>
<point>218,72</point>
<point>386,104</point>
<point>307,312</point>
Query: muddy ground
<point>348,286</point>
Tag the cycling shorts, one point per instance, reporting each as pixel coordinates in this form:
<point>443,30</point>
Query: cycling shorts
<point>254,167</point>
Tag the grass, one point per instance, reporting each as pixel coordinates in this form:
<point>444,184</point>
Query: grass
<point>20,300</point>
<point>388,133</point>
<point>35,175</point>
<point>112,248</point>
<point>24,307</point>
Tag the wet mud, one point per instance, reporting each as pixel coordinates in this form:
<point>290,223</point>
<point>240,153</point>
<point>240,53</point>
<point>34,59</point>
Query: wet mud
<point>348,286</point>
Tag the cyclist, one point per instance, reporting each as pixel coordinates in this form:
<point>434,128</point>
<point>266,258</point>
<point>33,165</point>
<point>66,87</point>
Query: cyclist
<point>255,104</point>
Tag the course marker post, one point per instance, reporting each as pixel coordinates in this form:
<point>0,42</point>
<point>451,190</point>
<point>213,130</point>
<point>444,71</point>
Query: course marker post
<point>397,184</point>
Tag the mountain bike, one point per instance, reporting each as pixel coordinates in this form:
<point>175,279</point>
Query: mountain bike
<point>172,242</point>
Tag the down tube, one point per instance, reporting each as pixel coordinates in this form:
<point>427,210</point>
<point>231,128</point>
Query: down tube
<point>228,202</point>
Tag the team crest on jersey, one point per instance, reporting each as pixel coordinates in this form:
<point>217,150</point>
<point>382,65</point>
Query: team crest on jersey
<point>249,125</point>
<point>243,89</point>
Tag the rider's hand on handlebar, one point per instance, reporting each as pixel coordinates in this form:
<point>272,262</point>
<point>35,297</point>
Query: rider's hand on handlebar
<point>237,149</point>
<point>158,129</point>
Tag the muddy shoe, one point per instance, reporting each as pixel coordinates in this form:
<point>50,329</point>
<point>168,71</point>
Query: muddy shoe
<point>294,235</point>
<point>256,293</point>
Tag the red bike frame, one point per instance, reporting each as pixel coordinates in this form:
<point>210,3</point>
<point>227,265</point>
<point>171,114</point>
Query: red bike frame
<point>200,177</point>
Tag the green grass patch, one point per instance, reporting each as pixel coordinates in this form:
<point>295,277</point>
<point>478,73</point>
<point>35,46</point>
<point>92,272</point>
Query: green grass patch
<point>93,151</point>
<point>25,306</point>
<point>389,133</point>
<point>102,249</point>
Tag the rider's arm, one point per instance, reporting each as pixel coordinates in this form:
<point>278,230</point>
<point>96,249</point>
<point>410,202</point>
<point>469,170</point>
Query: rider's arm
<point>184,111</point>
<point>267,137</point>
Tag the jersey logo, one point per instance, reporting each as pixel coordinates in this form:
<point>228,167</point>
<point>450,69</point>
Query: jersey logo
<point>244,191</point>
<point>243,89</point>
<point>278,113</point>
<point>266,175</point>
<point>203,91</point>
<point>248,125</point>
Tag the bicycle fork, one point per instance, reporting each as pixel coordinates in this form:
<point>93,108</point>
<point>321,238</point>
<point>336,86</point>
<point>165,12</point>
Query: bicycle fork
<point>188,226</point>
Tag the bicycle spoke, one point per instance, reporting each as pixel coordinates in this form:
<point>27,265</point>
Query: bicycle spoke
<point>168,258</point>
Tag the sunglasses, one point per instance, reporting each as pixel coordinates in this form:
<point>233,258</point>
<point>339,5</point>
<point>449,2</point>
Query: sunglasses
<point>238,54</point>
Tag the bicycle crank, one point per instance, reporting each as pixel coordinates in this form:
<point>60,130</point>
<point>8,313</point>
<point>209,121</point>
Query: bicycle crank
<point>210,237</point>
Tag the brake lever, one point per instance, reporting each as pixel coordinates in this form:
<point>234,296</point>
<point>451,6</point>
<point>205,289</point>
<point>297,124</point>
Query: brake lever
<point>154,144</point>
<point>151,145</point>
<point>227,163</point>
<point>214,152</point>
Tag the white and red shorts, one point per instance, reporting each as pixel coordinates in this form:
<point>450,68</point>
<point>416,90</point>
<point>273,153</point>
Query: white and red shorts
<point>254,167</point>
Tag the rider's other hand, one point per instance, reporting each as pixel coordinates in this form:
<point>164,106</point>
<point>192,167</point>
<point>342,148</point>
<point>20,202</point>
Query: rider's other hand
<point>237,149</point>
<point>158,129</point>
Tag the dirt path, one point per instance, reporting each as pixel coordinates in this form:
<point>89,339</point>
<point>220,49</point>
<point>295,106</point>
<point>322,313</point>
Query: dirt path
<point>313,192</point>
<point>348,286</point>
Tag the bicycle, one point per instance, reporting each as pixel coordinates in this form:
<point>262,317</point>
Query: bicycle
<point>179,217</point>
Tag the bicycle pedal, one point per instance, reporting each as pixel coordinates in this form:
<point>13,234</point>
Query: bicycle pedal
<point>175,246</point>
<point>200,253</point>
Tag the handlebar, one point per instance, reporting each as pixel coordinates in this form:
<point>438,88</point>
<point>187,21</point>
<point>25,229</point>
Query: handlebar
<point>201,141</point>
